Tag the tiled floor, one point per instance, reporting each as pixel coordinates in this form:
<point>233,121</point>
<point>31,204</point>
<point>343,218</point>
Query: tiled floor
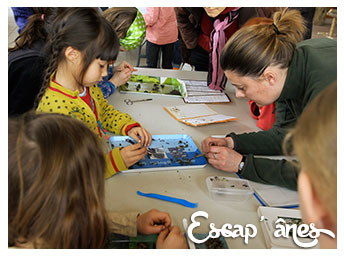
<point>131,56</point>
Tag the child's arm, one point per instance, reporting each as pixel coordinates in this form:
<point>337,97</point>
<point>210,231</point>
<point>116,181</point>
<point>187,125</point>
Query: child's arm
<point>120,77</point>
<point>106,85</point>
<point>140,135</point>
<point>123,223</point>
<point>122,73</point>
<point>110,118</point>
<point>114,163</point>
<point>124,65</point>
<point>120,159</point>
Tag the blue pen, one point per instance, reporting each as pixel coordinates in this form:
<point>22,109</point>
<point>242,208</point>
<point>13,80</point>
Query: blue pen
<point>259,200</point>
<point>263,204</point>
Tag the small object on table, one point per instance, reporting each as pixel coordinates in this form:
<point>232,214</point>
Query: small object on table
<point>191,244</point>
<point>166,152</point>
<point>169,199</point>
<point>131,102</point>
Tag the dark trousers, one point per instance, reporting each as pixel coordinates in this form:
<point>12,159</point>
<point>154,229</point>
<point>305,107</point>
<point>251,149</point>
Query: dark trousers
<point>308,14</point>
<point>200,58</point>
<point>152,53</point>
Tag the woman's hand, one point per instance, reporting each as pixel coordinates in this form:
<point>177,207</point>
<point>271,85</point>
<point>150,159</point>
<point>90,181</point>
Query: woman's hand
<point>224,158</point>
<point>145,137</point>
<point>213,141</point>
<point>153,222</point>
<point>171,238</point>
<point>132,154</point>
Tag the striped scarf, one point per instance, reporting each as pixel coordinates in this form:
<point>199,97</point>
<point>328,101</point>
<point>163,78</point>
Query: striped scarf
<point>216,78</point>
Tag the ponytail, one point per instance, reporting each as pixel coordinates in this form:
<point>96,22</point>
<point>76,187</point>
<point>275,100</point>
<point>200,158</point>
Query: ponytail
<point>32,32</point>
<point>253,48</point>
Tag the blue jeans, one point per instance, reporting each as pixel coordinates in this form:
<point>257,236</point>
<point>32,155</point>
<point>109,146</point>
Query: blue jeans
<point>152,53</point>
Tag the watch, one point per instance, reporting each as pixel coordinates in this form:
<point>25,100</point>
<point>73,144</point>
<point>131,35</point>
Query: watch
<point>242,164</point>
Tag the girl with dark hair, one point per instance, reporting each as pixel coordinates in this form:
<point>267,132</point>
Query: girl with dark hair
<point>267,63</point>
<point>56,171</point>
<point>26,62</point>
<point>81,45</point>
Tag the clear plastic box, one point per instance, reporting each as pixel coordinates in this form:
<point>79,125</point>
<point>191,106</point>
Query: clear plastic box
<point>229,189</point>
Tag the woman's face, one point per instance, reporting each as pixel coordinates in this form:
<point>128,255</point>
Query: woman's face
<point>259,90</point>
<point>213,11</point>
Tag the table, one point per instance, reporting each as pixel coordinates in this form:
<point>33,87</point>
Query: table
<point>120,190</point>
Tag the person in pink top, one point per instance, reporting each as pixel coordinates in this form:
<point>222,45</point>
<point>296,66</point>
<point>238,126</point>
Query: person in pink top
<point>161,33</point>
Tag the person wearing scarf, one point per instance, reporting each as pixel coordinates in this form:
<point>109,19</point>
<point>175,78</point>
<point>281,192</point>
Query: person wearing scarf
<point>205,30</point>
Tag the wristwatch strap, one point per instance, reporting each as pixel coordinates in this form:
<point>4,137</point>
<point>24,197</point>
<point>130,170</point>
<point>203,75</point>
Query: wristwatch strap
<point>242,164</point>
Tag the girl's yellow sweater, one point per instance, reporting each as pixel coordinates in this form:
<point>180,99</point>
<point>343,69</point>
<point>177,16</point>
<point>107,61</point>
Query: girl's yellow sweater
<point>58,99</point>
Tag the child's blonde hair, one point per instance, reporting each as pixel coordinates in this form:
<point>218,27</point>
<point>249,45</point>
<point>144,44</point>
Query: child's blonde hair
<point>314,141</point>
<point>253,48</point>
<point>121,19</point>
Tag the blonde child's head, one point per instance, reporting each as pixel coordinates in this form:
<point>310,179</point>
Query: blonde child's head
<point>128,24</point>
<point>56,171</point>
<point>84,30</point>
<point>120,18</point>
<point>314,141</point>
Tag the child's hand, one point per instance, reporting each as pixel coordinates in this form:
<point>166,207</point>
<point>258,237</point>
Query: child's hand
<point>132,154</point>
<point>124,65</point>
<point>153,222</point>
<point>120,77</point>
<point>171,238</point>
<point>145,137</point>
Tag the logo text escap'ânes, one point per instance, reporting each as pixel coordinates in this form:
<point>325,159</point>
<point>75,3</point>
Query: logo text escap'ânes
<point>249,231</point>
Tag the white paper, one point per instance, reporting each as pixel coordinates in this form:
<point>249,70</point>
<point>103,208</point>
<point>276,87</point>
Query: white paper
<point>196,83</point>
<point>268,225</point>
<point>199,114</point>
<point>206,99</point>
<point>199,92</point>
<point>208,119</point>
<point>191,111</point>
<point>275,195</point>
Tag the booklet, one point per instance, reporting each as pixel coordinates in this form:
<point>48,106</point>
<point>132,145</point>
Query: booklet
<point>199,92</point>
<point>197,115</point>
<point>277,216</point>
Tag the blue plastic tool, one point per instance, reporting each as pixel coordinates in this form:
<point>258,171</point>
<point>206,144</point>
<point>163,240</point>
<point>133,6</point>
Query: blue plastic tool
<point>169,199</point>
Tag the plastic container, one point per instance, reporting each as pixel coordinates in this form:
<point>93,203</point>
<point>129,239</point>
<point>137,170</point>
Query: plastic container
<point>228,189</point>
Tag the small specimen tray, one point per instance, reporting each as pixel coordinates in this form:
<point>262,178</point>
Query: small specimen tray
<point>166,152</point>
<point>163,86</point>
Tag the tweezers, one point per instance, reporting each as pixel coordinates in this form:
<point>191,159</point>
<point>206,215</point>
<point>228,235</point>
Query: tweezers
<point>169,199</point>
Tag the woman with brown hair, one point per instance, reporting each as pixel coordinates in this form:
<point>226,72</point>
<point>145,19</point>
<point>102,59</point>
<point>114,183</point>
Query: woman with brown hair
<point>267,63</point>
<point>56,170</point>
